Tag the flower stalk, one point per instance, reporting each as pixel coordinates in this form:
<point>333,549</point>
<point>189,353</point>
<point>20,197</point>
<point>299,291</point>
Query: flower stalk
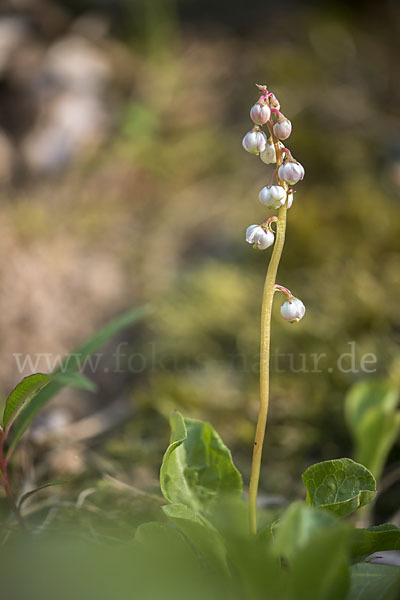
<point>265,350</point>
<point>275,196</point>
<point>4,480</point>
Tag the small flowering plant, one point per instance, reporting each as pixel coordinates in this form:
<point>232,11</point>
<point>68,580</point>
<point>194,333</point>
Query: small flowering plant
<point>308,551</point>
<point>277,195</point>
<point>209,540</point>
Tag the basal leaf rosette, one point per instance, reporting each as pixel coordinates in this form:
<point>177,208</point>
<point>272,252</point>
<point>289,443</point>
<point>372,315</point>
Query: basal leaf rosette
<point>341,486</point>
<point>197,469</point>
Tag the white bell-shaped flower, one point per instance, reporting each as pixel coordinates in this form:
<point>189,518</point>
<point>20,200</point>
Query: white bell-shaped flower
<point>254,142</point>
<point>273,196</point>
<point>258,237</point>
<point>268,156</point>
<point>260,113</point>
<point>283,128</point>
<point>293,310</point>
<point>291,172</point>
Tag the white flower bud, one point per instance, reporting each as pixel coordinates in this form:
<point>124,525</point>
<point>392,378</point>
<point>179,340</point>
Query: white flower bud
<point>290,197</point>
<point>268,156</point>
<point>282,129</point>
<point>291,172</point>
<point>254,142</point>
<point>293,310</point>
<point>258,237</point>
<point>260,113</point>
<point>273,196</point>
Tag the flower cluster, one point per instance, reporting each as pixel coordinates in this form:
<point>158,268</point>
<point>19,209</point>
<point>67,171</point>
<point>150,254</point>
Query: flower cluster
<point>272,151</point>
<point>268,145</point>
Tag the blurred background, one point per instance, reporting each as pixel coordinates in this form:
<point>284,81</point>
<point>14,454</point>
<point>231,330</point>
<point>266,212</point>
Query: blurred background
<point>123,182</point>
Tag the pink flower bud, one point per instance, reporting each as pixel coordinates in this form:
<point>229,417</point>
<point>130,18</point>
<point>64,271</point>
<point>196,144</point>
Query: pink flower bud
<point>260,113</point>
<point>282,128</point>
<point>258,237</point>
<point>293,310</point>
<point>273,196</point>
<point>274,102</point>
<point>254,142</point>
<point>291,172</point>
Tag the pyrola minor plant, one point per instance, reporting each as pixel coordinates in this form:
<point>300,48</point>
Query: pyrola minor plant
<point>276,196</point>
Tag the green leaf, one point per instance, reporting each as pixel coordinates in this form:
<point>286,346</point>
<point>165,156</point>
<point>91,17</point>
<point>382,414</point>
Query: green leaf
<point>23,393</point>
<point>35,490</point>
<point>320,570</point>
<point>76,380</point>
<point>70,366</point>
<point>156,534</point>
<point>341,486</point>
<point>197,468</point>
<point>366,395</point>
<point>374,422</point>
<point>374,539</point>
<point>297,526</point>
<point>374,582</point>
<point>204,537</point>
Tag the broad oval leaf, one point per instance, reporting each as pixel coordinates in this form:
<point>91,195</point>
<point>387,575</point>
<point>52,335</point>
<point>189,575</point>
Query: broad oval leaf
<point>374,582</point>
<point>374,539</point>
<point>23,393</point>
<point>297,527</point>
<point>197,468</point>
<point>200,532</point>
<point>320,570</point>
<point>341,486</point>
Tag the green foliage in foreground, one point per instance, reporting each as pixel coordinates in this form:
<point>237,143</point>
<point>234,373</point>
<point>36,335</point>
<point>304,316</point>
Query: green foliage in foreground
<point>307,548</point>
<point>198,544</point>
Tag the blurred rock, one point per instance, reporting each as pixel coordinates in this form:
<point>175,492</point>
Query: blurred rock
<point>12,33</point>
<point>77,65</point>
<point>73,124</point>
<point>74,118</point>
<point>7,159</point>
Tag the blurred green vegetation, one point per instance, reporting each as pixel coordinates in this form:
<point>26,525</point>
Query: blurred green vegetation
<point>169,199</point>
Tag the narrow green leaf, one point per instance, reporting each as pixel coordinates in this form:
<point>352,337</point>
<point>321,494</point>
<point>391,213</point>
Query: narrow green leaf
<point>341,486</point>
<point>374,539</point>
<point>374,422</point>
<point>366,395</point>
<point>71,365</point>
<point>76,380</point>
<point>35,490</point>
<point>374,438</point>
<point>374,582</point>
<point>197,468</point>
<point>24,392</point>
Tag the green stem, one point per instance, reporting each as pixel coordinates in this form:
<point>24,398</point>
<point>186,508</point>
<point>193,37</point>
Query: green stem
<point>6,484</point>
<point>268,297</point>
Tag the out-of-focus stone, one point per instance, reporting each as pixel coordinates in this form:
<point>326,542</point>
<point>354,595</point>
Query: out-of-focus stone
<point>12,34</point>
<point>91,26</point>
<point>76,64</point>
<point>7,159</point>
<point>72,125</point>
